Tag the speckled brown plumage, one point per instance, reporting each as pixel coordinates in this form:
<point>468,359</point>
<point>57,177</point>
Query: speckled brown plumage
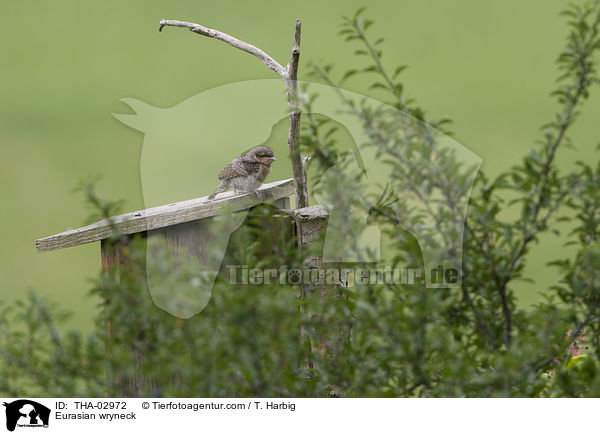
<point>246,173</point>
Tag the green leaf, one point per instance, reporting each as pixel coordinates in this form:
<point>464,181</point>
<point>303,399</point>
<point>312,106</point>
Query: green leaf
<point>378,85</point>
<point>367,24</point>
<point>359,11</point>
<point>348,74</point>
<point>371,68</point>
<point>399,70</point>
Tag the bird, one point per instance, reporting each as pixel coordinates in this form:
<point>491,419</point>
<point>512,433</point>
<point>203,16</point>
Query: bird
<point>247,172</point>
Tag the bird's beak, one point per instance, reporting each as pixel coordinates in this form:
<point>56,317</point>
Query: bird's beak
<point>273,158</point>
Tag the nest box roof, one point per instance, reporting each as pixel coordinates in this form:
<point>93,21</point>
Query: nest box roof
<point>164,215</point>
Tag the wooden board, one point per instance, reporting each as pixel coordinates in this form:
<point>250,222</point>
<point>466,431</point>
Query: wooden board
<point>166,215</point>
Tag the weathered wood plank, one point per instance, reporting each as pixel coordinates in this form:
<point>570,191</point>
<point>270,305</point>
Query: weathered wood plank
<point>165,215</point>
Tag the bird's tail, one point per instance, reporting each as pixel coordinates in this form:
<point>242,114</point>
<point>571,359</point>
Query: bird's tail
<point>219,189</point>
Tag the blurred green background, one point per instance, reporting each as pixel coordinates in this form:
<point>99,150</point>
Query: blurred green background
<point>66,64</point>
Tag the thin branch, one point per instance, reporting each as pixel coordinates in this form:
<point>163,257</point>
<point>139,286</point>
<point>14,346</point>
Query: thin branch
<point>294,124</point>
<point>376,59</point>
<point>234,42</point>
<point>479,321</point>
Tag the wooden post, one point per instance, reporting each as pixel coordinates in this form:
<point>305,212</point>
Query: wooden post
<point>116,260</point>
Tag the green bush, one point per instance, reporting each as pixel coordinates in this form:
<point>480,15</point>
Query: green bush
<point>368,340</point>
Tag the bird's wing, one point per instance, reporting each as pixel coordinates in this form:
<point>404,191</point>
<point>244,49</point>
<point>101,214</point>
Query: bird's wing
<point>233,170</point>
<point>251,168</point>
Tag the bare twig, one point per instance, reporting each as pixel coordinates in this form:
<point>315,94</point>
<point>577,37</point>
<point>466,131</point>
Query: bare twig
<point>234,42</point>
<point>289,75</point>
<point>294,126</point>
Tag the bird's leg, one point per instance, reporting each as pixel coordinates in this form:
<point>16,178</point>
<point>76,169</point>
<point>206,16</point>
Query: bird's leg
<point>260,195</point>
